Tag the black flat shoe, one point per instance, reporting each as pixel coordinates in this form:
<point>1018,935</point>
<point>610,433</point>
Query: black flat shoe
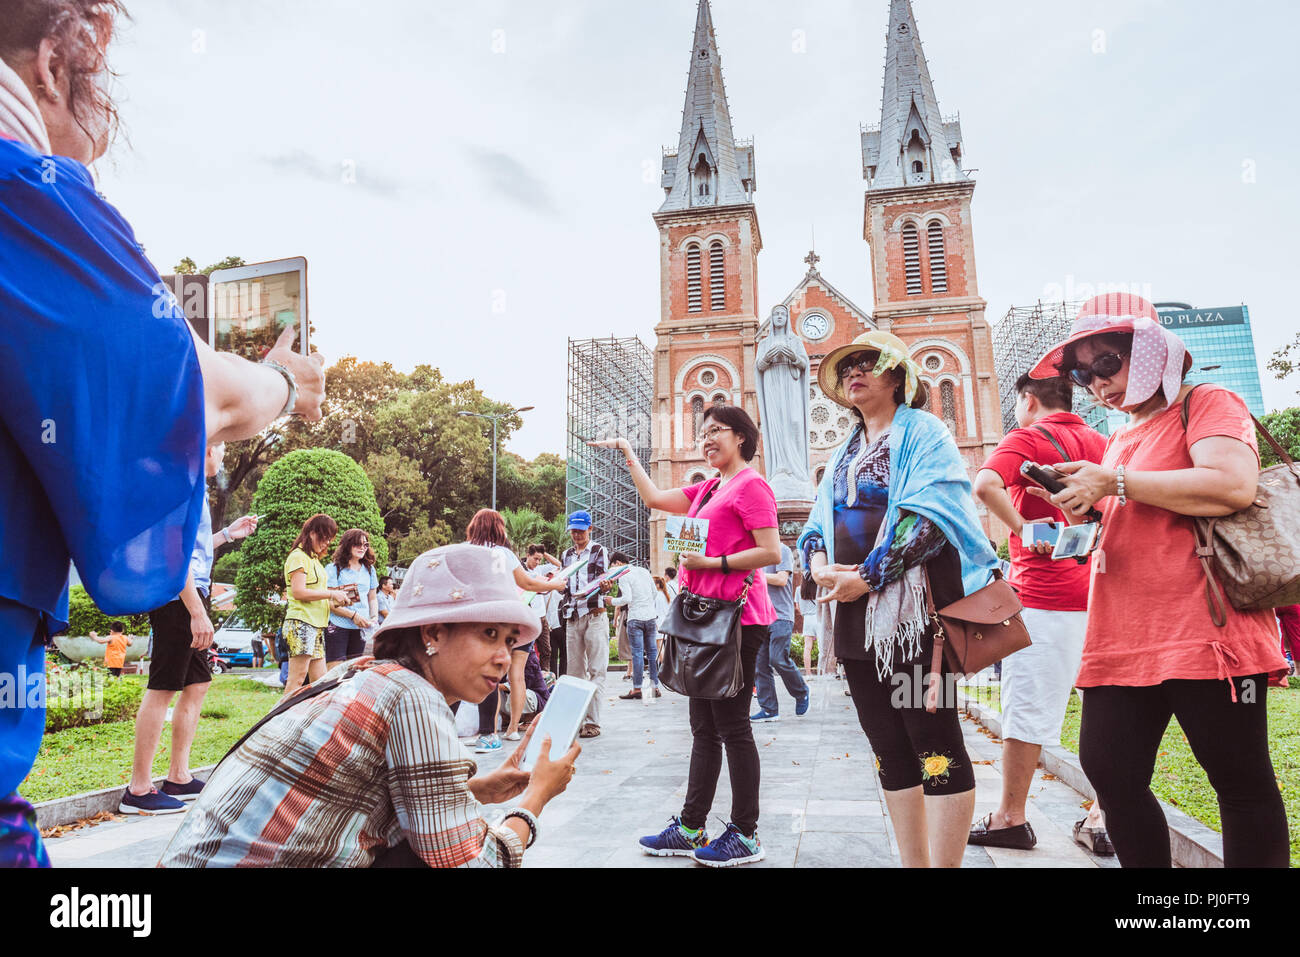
<point>1093,838</point>
<point>1021,837</point>
<point>633,695</point>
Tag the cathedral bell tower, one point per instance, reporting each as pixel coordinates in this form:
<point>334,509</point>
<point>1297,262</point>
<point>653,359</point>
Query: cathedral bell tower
<point>918,225</point>
<point>709,243</point>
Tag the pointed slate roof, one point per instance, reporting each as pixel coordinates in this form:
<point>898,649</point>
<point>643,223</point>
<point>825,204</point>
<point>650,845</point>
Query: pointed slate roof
<point>908,104</point>
<point>706,129</point>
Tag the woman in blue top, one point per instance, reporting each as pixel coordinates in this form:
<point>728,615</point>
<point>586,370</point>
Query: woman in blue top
<point>893,517</point>
<point>353,564</point>
<point>110,399</point>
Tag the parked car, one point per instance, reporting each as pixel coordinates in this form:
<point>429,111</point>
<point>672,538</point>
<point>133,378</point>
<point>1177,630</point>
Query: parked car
<point>233,643</point>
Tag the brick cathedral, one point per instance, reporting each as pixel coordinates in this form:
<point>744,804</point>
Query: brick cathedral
<point>922,252</point>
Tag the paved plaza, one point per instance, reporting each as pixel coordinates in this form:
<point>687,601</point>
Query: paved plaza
<point>821,800</point>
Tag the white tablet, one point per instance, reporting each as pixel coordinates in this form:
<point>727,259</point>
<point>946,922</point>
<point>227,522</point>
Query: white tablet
<point>561,719</point>
<point>249,306</point>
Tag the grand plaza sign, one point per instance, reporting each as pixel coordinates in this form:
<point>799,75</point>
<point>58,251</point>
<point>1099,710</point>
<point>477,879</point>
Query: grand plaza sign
<point>1197,318</point>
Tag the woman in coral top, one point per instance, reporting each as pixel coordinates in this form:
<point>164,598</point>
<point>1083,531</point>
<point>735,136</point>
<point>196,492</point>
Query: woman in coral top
<point>1152,650</point>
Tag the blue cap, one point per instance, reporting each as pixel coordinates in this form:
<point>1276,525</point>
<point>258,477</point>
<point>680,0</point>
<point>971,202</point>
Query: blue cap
<point>580,521</point>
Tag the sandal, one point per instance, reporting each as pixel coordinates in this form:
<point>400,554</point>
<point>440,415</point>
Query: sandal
<point>1093,838</point>
<point>589,731</point>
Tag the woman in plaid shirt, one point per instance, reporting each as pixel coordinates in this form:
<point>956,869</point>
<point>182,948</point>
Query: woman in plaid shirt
<point>374,765</point>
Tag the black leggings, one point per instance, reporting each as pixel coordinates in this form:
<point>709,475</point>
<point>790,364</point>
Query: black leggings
<point>1118,741</point>
<point>913,748</point>
<point>715,722</point>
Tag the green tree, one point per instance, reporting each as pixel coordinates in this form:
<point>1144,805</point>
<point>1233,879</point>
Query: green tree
<point>293,489</point>
<point>84,617</point>
<point>1286,360</point>
<point>1285,427</point>
<point>420,539</point>
<point>556,537</point>
<point>524,527</point>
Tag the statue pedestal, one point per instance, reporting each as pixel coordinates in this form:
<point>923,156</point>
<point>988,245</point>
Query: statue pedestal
<point>790,519</point>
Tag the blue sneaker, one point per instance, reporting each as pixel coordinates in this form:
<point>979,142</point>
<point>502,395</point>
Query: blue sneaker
<point>801,706</point>
<point>183,792</point>
<point>152,803</point>
<point>487,744</point>
<point>673,841</point>
<point>759,716</point>
<point>731,849</point>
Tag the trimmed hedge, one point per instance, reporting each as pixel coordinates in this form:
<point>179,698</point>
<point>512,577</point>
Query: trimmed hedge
<point>84,617</point>
<point>78,696</point>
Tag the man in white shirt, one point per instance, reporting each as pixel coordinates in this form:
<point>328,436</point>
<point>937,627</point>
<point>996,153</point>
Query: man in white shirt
<point>542,566</point>
<point>636,590</point>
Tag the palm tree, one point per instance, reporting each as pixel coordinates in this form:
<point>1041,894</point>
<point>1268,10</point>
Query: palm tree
<point>524,526</point>
<point>556,534</point>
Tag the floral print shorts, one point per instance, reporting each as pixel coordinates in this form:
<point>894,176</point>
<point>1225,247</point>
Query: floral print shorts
<point>304,639</point>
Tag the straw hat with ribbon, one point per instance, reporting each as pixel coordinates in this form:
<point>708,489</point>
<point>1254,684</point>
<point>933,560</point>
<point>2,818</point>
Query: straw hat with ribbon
<point>892,355</point>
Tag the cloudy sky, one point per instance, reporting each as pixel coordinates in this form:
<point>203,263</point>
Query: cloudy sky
<point>473,184</point>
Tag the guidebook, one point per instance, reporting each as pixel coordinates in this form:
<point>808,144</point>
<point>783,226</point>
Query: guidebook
<point>530,597</point>
<point>594,584</point>
<point>686,534</point>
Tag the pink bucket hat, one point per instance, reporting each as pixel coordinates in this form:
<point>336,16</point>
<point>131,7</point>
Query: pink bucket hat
<point>1158,359</point>
<point>461,583</point>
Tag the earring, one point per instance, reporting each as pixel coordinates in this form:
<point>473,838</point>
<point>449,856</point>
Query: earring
<point>430,650</point>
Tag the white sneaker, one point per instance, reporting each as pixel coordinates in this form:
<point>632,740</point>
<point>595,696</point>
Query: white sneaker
<point>515,736</point>
<point>488,743</point>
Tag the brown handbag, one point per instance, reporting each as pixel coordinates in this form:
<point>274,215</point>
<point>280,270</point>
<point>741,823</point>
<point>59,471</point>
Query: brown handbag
<point>1255,552</point>
<point>975,632</point>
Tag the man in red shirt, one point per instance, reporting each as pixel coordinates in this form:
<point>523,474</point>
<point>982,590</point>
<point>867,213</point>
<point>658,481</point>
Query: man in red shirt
<point>1036,681</point>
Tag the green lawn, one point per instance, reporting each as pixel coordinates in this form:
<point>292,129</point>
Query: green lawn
<point>86,759</point>
<point>1180,781</point>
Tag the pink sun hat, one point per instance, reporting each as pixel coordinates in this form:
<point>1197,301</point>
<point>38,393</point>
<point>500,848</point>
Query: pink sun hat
<point>461,583</point>
<point>1159,358</point>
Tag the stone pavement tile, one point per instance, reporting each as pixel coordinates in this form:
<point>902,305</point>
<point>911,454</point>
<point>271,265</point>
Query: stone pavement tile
<point>823,849</point>
<point>844,824</point>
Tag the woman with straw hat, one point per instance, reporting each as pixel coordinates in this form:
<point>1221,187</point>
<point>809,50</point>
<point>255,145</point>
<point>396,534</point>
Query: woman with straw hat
<point>895,502</point>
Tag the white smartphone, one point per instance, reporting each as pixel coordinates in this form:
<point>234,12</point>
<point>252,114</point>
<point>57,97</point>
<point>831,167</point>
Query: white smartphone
<point>1076,541</point>
<point>1040,531</point>
<point>561,719</point>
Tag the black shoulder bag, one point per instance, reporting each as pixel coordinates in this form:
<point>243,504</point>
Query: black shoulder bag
<point>701,656</point>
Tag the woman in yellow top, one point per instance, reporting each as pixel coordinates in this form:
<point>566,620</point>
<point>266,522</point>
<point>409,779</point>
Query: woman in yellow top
<point>309,601</point>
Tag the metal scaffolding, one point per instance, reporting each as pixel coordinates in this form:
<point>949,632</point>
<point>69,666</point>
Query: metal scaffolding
<point>611,391</point>
<point>1019,340</point>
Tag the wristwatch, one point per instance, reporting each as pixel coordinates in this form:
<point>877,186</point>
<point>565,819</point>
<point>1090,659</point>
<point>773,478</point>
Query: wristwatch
<point>293,386</point>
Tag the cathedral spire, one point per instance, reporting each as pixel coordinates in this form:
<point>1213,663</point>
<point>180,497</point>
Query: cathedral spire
<point>709,168</point>
<point>914,145</point>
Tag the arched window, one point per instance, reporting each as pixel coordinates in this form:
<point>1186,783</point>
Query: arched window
<point>697,416</point>
<point>938,265</point>
<point>694,280</point>
<point>719,400</point>
<point>918,166</point>
<point>717,277</point>
<point>702,176</point>
<point>948,398</point>
<point>912,259</point>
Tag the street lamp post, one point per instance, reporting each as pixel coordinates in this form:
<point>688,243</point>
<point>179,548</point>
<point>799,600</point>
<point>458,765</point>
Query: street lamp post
<point>495,418</point>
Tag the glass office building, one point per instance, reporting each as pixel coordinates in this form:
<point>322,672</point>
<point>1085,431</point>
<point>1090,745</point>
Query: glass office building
<point>1222,347</point>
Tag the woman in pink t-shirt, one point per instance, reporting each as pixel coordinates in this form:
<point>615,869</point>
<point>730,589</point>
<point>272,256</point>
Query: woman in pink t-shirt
<point>742,538</point>
<point>1152,649</point>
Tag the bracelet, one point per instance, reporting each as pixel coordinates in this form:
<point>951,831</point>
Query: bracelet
<point>725,569</point>
<point>293,386</point>
<point>1119,485</point>
<point>528,818</point>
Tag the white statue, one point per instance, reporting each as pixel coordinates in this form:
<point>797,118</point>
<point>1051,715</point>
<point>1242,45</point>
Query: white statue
<point>782,373</point>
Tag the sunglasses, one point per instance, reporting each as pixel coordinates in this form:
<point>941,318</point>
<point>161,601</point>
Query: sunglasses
<point>1104,366</point>
<point>862,362</point>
